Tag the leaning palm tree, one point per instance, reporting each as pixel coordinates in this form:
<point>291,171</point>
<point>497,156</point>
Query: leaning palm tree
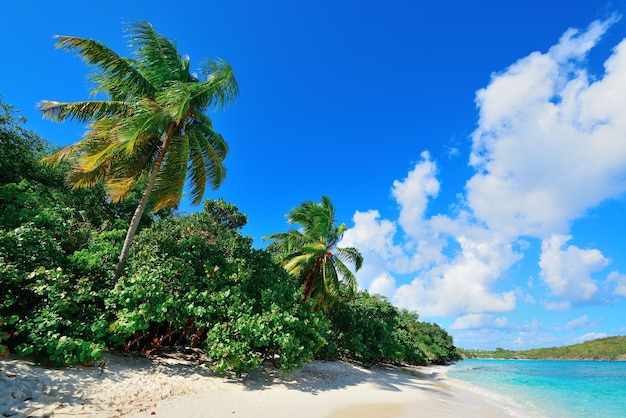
<point>151,125</point>
<point>311,253</point>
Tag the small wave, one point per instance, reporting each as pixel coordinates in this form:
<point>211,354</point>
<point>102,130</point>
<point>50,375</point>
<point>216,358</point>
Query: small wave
<point>512,408</point>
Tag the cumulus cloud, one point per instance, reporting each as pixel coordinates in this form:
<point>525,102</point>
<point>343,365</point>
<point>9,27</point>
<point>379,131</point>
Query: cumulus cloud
<point>567,272</point>
<point>384,285</point>
<point>580,322</point>
<point>479,321</point>
<point>563,305</point>
<point>373,237</point>
<point>549,146</point>
<point>412,195</point>
<point>620,283</point>
<point>372,234</point>
<point>463,285</point>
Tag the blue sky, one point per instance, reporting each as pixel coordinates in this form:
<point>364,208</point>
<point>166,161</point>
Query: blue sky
<point>476,150</point>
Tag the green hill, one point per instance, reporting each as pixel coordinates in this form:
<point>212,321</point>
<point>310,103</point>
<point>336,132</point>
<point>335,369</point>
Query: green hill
<point>610,348</point>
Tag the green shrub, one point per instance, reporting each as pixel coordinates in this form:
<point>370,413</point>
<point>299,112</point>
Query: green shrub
<point>195,280</point>
<point>55,327</point>
<point>366,330</point>
<point>436,343</point>
<point>370,330</point>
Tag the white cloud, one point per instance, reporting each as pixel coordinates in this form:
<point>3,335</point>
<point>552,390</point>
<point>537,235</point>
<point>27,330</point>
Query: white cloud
<point>372,234</point>
<point>591,336</point>
<point>453,152</point>
<point>568,272</point>
<point>559,306</point>
<point>412,195</point>
<point>581,322</point>
<point>384,285</point>
<point>374,237</point>
<point>620,283</point>
<point>479,321</point>
<point>549,144</point>
<point>464,284</point>
<point>574,44</point>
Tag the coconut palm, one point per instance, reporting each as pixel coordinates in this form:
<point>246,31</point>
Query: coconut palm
<point>311,253</point>
<point>150,126</point>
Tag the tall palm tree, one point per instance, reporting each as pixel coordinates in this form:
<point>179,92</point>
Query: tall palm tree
<point>151,124</point>
<point>311,253</point>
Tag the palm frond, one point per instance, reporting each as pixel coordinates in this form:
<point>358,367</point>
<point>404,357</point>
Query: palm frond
<point>84,179</point>
<point>62,155</point>
<point>331,281</point>
<point>149,121</point>
<point>317,219</point>
<point>214,148</point>
<point>170,182</point>
<point>203,123</point>
<point>346,275</point>
<point>298,263</point>
<point>118,189</point>
<point>158,57</point>
<point>175,97</point>
<point>350,255</point>
<point>220,87</point>
<point>83,111</point>
<point>139,163</point>
<point>91,161</point>
<point>290,241</point>
<point>118,74</point>
<point>197,168</point>
<point>211,153</point>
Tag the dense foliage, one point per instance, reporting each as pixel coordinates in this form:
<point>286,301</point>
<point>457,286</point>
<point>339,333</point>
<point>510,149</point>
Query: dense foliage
<point>370,330</point>
<point>609,348</point>
<point>192,280</point>
<point>48,306</point>
<point>195,280</point>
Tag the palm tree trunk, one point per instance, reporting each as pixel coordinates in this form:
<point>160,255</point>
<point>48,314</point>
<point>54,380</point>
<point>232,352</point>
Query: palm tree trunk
<point>134,223</point>
<point>309,280</point>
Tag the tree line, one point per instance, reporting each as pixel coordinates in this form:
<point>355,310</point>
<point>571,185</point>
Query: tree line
<point>608,349</point>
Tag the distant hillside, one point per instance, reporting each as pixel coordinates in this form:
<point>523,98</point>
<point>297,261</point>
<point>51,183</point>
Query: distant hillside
<point>610,348</point>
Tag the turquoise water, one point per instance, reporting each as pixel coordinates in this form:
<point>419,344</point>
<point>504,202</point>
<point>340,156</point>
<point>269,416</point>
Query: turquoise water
<point>550,388</point>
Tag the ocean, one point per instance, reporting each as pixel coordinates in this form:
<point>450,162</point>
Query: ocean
<point>545,388</point>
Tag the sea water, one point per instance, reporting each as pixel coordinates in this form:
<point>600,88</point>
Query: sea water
<point>547,388</point>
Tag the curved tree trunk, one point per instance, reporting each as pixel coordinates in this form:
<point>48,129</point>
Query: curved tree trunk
<point>134,223</point>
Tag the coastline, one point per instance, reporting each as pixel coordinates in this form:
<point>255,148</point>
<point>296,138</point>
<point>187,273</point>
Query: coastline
<point>177,386</point>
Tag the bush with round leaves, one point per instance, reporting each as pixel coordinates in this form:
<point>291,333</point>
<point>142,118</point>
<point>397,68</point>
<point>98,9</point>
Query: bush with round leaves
<point>195,280</point>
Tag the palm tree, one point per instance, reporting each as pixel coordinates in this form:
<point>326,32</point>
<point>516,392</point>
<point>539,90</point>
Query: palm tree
<point>311,253</point>
<point>150,125</point>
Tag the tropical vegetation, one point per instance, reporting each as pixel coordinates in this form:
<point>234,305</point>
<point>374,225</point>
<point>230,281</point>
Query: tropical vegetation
<point>370,330</point>
<point>150,127</point>
<point>192,280</point>
<point>311,253</point>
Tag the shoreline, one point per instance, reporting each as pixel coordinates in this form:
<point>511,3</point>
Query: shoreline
<point>177,386</point>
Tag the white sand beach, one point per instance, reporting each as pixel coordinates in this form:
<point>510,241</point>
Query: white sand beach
<point>178,386</point>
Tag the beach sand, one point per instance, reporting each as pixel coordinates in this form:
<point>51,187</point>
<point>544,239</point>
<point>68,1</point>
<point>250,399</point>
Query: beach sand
<point>178,386</point>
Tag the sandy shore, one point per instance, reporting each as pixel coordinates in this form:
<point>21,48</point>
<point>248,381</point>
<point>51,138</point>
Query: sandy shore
<point>178,387</point>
